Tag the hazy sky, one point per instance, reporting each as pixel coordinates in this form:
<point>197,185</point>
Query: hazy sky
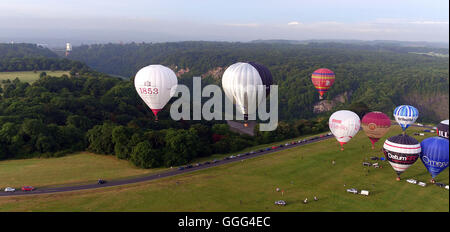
<point>231,20</point>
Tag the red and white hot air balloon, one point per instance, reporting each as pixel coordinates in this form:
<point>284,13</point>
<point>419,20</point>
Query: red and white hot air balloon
<point>344,124</point>
<point>155,84</point>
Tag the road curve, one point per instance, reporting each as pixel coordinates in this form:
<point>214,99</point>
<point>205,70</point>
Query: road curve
<point>162,174</point>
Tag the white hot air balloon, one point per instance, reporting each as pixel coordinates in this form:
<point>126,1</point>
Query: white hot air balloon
<point>344,124</point>
<point>155,84</point>
<point>240,82</point>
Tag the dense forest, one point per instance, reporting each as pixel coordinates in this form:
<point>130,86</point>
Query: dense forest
<point>379,76</point>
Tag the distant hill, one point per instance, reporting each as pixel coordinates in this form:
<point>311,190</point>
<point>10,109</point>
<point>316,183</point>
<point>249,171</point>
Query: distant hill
<point>24,50</point>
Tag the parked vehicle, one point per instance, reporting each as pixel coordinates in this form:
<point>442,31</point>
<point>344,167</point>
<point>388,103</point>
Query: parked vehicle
<point>180,168</point>
<point>189,166</point>
<point>268,149</point>
<point>101,181</point>
<point>28,188</point>
<point>280,202</point>
<point>440,184</point>
<point>207,162</point>
<point>366,164</point>
<point>9,189</point>
<point>274,147</point>
<point>352,190</point>
<point>215,161</point>
<point>411,181</point>
<point>422,184</point>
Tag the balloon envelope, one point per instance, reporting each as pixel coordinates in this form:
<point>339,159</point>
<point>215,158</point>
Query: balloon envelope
<point>401,151</point>
<point>405,115</point>
<point>434,154</point>
<point>344,124</point>
<point>155,84</point>
<point>375,125</point>
<point>322,79</point>
<point>241,81</point>
<point>442,129</point>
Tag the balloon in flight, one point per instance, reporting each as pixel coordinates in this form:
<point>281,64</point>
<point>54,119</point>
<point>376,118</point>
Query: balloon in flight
<point>344,124</point>
<point>442,129</point>
<point>375,125</point>
<point>155,84</point>
<point>241,81</point>
<point>322,79</point>
<point>434,155</point>
<point>405,115</point>
<point>401,151</point>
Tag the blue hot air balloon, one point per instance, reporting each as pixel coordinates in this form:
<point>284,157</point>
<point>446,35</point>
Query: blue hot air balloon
<point>434,155</point>
<point>405,115</point>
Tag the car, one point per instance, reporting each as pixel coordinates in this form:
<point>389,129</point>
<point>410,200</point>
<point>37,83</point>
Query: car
<point>247,153</point>
<point>180,168</point>
<point>292,143</point>
<point>280,202</point>
<point>226,158</point>
<point>268,149</point>
<point>352,190</point>
<point>321,136</point>
<point>232,157</point>
<point>215,161</point>
<point>189,166</point>
<point>330,134</point>
<point>366,164</point>
<point>419,124</point>
<point>300,141</point>
<point>101,181</point>
<point>281,145</point>
<point>207,162</point>
<point>446,187</point>
<point>252,152</point>
<point>422,184</point>
<point>28,188</point>
<point>304,140</point>
<point>364,192</point>
<point>287,144</point>
<point>262,150</point>
<point>411,181</point>
<point>274,147</point>
<point>374,158</point>
<point>9,189</point>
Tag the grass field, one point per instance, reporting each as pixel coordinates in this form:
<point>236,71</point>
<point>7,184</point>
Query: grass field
<point>29,76</point>
<point>250,185</point>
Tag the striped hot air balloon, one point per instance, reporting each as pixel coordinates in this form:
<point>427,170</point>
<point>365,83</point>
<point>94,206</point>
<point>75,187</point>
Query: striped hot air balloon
<point>240,83</point>
<point>322,79</point>
<point>442,129</point>
<point>375,125</point>
<point>401,151</point>
<point>405,115</point>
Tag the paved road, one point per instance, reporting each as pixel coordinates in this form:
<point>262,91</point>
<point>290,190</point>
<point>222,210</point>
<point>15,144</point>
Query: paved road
<point>158,175</point>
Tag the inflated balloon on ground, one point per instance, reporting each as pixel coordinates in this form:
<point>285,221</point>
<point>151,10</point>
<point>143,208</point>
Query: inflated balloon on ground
<point>435,155</point>
<point>405,115</point>
<point>401,151</point>
<point>344,124</point>
<point>375,125</point>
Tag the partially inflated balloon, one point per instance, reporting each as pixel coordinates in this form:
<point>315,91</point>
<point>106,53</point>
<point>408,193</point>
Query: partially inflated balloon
<point>405,115</point>
<point>344,124</point>
<point>442,129</point>
<point>375,125</point>
<point>434,154</point>
<point>155,84</point>
<point>322,79</point>
<point>240,82</point>
<point>401,151</point>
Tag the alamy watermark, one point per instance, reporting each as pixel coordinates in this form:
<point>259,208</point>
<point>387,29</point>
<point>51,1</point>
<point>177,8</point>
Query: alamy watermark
<point>251,104</point>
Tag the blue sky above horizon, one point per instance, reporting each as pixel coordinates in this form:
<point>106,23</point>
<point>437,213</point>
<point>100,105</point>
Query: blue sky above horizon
<point>232,20</point>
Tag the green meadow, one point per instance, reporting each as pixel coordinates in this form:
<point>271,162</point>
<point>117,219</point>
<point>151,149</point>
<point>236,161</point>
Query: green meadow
<point>301,172</point>
<point>30,76</point>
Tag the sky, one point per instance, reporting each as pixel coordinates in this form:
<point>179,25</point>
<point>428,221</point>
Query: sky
<point>88,21</point>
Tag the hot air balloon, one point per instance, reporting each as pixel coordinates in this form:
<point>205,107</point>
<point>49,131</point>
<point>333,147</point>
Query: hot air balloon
<point>401,151</point>
<point>155,84</point>
<point>344,124</point>
<point>442,129</point>
<point>322,79</point>
<point>434,155</point>
<point>405,115</point>
<point>240,82</point>
<point>375,125</point>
